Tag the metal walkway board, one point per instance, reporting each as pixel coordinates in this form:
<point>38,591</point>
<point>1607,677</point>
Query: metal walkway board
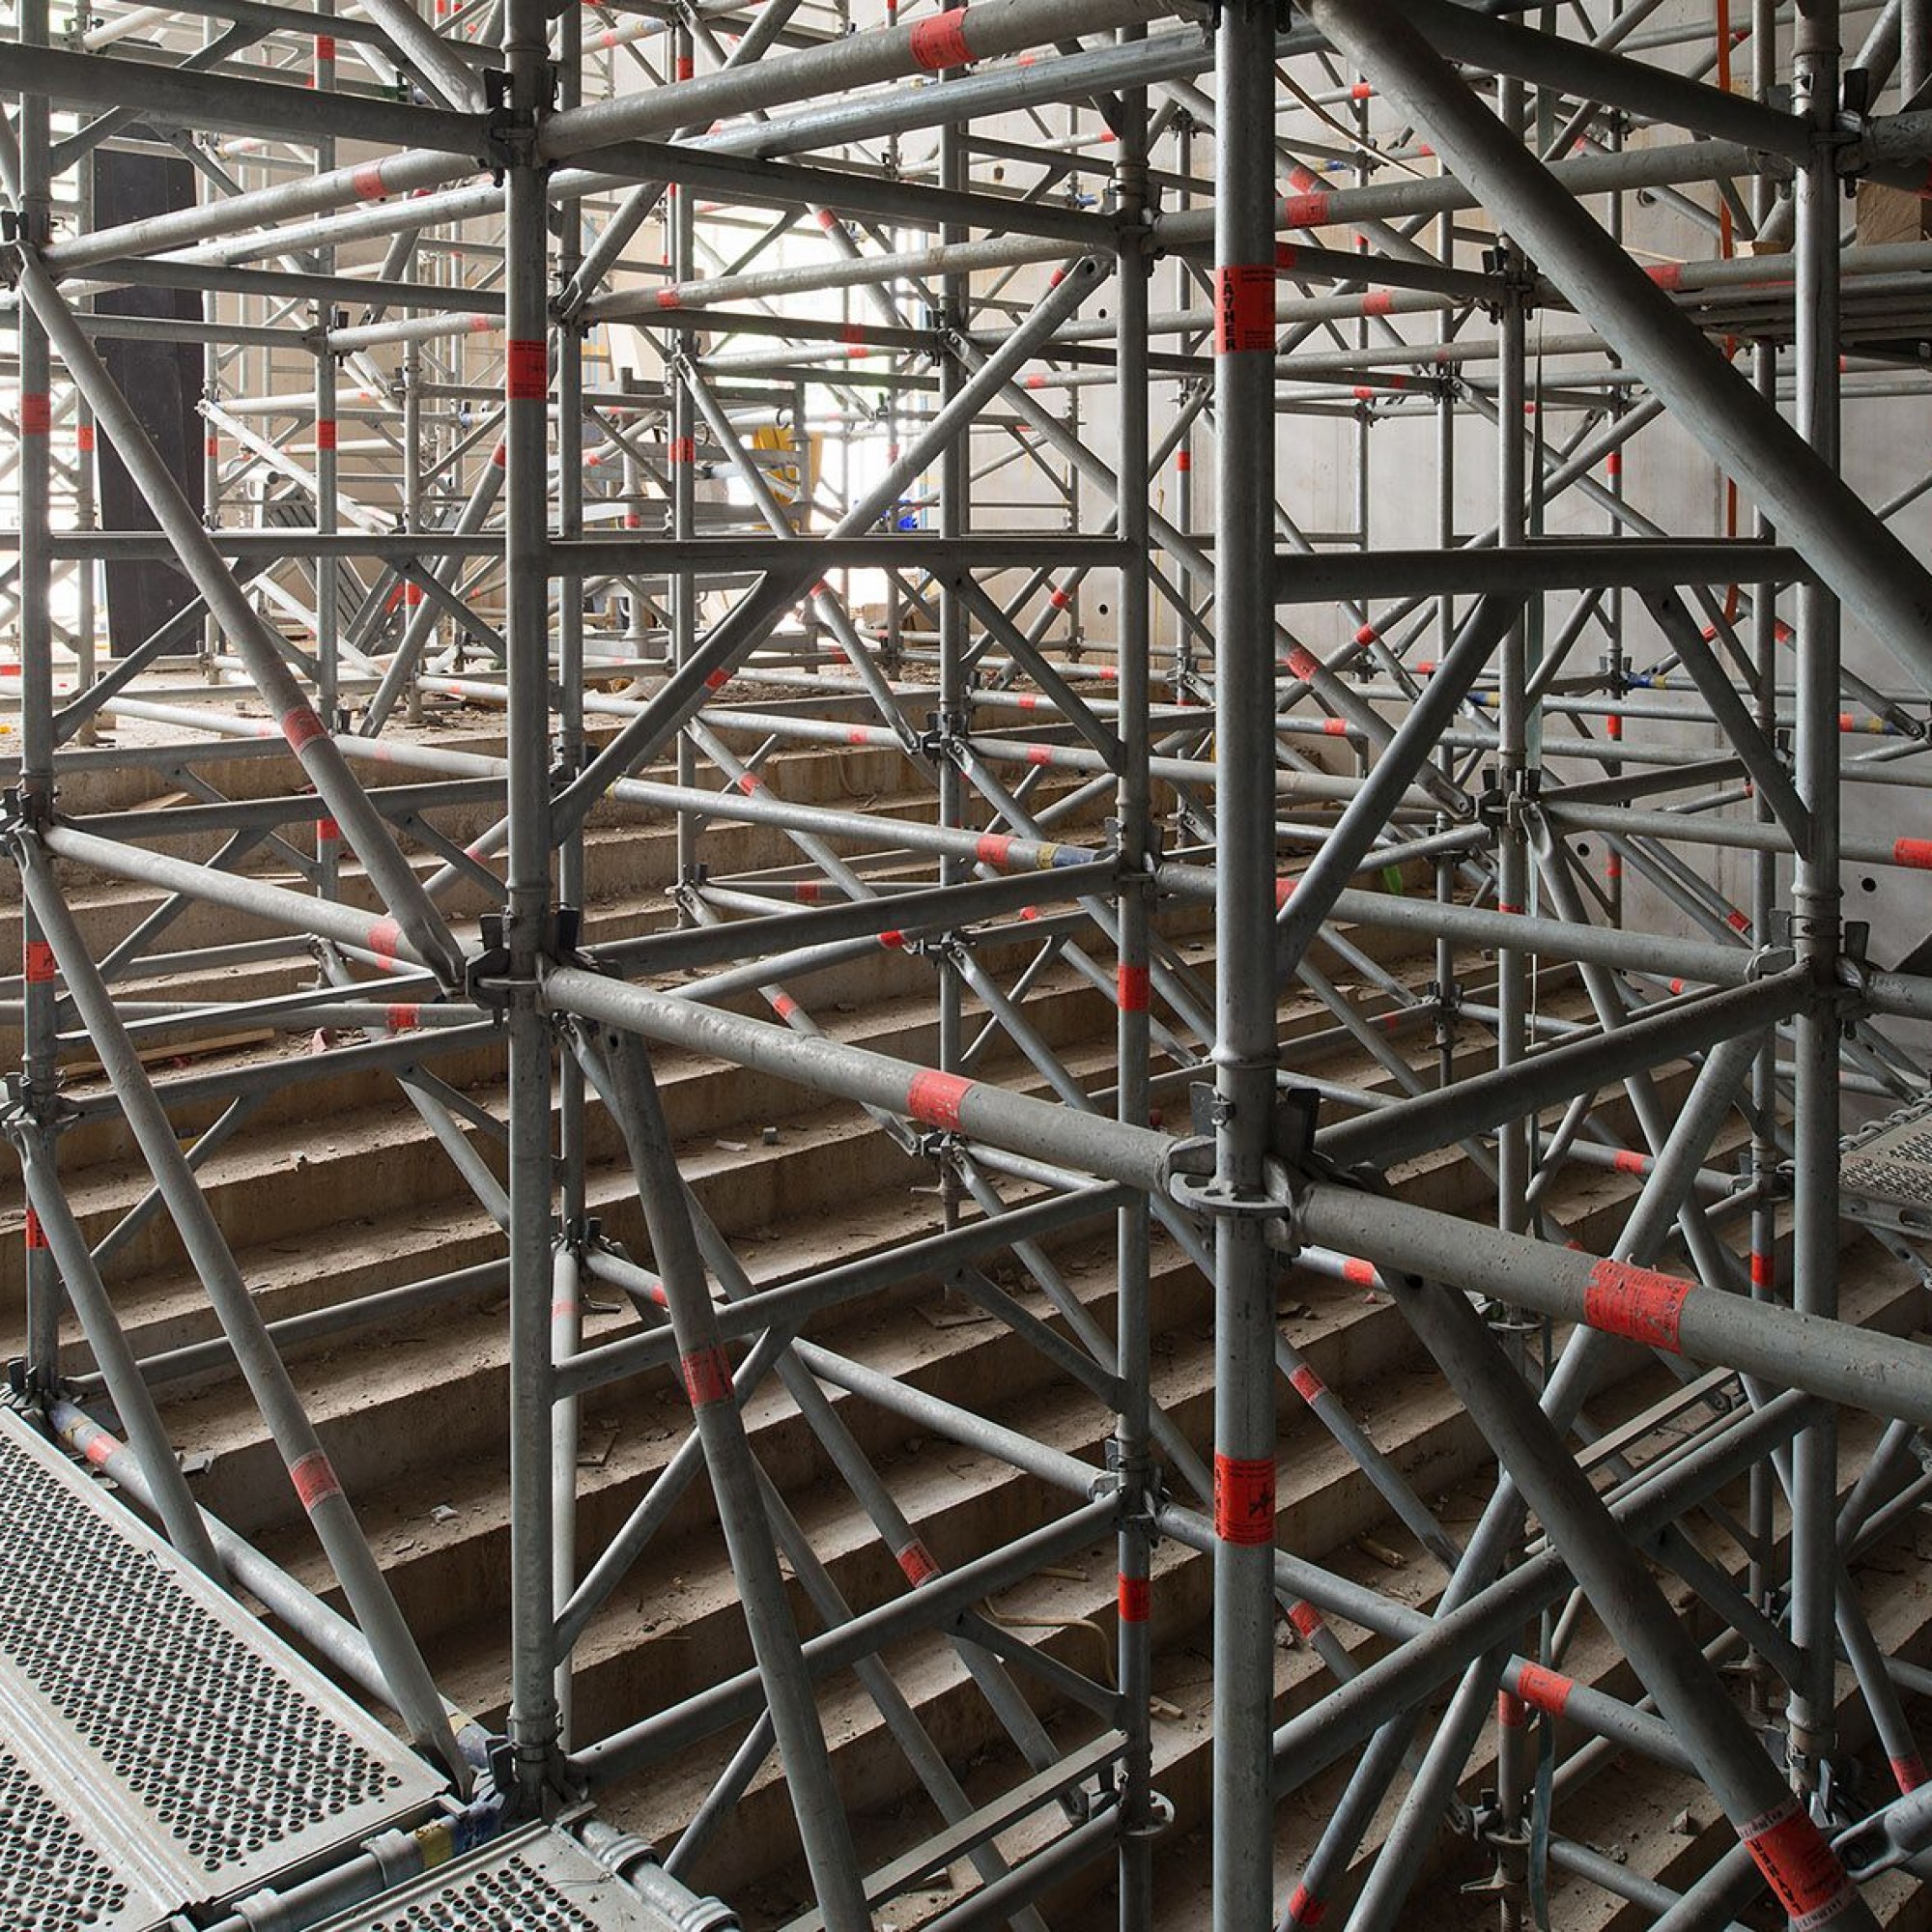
<point>159,1746</point>
<point>536,1880</point>
<point>1886,1169</point>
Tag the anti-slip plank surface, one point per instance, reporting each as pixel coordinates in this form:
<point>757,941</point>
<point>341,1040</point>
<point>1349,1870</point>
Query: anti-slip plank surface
<point>182,1745</point>
<point>54,1876</point>
<point>536,1880</point>
<point>1888,1167</point>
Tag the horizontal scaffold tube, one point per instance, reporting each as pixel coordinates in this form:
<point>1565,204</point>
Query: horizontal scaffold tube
<point>1138,1156</point>
<point>859,60</point>
<point>295,912</point>
<point>1858,1368</point>
<point>1701,962</point>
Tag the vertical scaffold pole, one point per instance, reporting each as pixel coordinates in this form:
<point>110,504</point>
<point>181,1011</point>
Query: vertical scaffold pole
<point>44,1297</point>
<point>530,925</point>
<point>1244,1046</point>
<point>1135,832</point>
<point>1814,899</point>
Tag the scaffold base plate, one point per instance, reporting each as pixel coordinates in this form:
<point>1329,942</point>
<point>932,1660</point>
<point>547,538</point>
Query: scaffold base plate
<point>173,1750</point>
<point>535,1880</point>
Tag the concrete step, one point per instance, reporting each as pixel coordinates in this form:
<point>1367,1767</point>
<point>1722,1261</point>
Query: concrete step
<point>746,1868</point>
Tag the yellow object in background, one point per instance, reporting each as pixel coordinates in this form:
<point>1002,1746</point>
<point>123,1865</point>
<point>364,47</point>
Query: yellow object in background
<point>793,493</point>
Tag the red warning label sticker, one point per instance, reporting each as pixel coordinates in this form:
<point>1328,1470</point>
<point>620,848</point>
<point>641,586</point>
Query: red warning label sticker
<point>1798,1865</point>
<point>1637,1303</point>
<point>1244,308</point>
<point>1547,1690</point>
<point>525,369</point>
<point>1244,1499</point>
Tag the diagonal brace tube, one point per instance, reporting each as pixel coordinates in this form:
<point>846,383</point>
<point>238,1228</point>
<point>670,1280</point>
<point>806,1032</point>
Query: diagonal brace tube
<point>1811,504</point>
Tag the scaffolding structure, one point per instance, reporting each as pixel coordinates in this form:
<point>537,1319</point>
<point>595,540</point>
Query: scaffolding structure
<point>949,309</point>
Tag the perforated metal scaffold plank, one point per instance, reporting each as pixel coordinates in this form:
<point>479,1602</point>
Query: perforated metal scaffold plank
<point>1886,1170</point>
<point>177,1751</point>
<point>537,1880</point>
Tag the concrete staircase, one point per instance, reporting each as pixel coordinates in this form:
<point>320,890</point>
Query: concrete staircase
<point>336,1189</point>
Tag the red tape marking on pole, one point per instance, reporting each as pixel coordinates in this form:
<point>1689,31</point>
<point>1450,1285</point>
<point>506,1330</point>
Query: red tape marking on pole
<point>300,726</point>
<point>402,1018</point>
<point>707,1375</point>
<point>1244,308</point>
<point>1132,988</point>
<point>314,1480</point>
<point>1801,1868</point>
<point>1913,852</point>
<point>935,1098</point>
<point>1637,1302</point>
<point>1908,1772</point>
<point>1511,1714</point>
<point>525,369</point>
<point>38,962</point>
<point>1135,1599</point>
<point>385,936</point>
<point>368,182</point>
<point>916,1561</point>
<point>1306,1384</point>
<point>324,432</point>
<point>1305,1908</point>
<point>37,412</point>
<point>1305,1617</point>
<point>993,848</point>
<point>940,42</point>
<point>1549,1691</point>
<point>36,1234</point>
<point>1244,1499</point>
